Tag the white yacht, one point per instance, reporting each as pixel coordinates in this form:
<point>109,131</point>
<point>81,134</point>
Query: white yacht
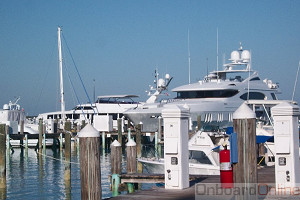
<point>214,98</point>
<point>109,107</point>
<point>112,105</point>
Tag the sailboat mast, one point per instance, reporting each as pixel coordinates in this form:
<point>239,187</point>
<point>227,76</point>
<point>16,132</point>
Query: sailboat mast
<point>189,56</point>
<point>62,101</point>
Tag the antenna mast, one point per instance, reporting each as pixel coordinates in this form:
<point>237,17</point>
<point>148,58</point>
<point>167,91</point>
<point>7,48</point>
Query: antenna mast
<point>189,56</point>
<point>296,82</point>
<point>62,101</point>
<point>217,54</point>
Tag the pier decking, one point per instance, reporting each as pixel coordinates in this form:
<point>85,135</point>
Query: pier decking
<point>265,175</point>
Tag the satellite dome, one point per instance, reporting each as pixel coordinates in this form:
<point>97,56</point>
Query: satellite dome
<point>167,76</point>
<point>235,56</point>
<point>161,82</point>
<point>5,107</point>
<point>246,55</point>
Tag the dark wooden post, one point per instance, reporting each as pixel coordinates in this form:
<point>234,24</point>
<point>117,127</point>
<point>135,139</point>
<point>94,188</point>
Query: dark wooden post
<point>138,136</point>
<point>120,139</point>
<point>159,135</point>
<point>3,161</point>
<point>116,170</point>
<point>40,134</point>
<point>131,162</point>
<point>245,171</point>
<point>90,170</point>
<point>22,133</point>
<point>199,122</point>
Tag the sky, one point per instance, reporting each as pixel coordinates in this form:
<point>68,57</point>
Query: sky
<point>117,44</point>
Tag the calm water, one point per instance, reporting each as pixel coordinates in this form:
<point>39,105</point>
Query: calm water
<point>30,176</point>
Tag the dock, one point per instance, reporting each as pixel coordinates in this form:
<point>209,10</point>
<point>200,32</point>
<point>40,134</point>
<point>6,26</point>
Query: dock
<point>266,175</point>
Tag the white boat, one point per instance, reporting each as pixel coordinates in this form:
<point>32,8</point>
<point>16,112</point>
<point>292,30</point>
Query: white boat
<point>106,109</point>
<point>203,150</point>
<point>12,115</point>
<point>214,98</point>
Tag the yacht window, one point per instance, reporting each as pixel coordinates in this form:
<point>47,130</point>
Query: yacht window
<point>206,94</point>
<point>255,79</point>
<point>199,157</point>
<point>273,96</point>
<point>69,116</point>
<point>253,95</point>
<point>76,116</point>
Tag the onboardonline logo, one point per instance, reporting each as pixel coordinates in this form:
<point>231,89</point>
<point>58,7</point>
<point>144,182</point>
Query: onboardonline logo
<point>248,189</point>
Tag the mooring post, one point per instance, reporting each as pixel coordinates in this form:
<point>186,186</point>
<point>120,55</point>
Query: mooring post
<point>156,144</point>
<point>2,161</point>
<point>61,142</point>
<point>116,162</point>
<point>120,139</point>
<point>26,141</point>
<point>131,162</point>
<point>67,156</point>
<point>245,171</point>
<point>7,138</point>
<point>44,138</point>
<point>40,134</point>
<point>21,132</point>
<point>199,122</point>
<point>90,170</point>
<point>103,141</point>
<point>138,136</point>
<point>159,135</point>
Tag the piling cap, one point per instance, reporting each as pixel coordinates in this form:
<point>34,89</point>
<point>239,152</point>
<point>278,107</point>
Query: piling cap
<point>88,131</point>
<point>130,143</point>
<point>175,111</point>
<point>115,143</point>
<point>285,109</point>
<point>244,112</point>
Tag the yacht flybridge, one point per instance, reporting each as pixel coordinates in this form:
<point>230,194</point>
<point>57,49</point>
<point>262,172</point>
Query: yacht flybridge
<point>214,98</point>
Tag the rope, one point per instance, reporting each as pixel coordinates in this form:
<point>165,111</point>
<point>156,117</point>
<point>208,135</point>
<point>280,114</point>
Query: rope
<point>78,74</point>
<point>75,92</point>
<point>51,157</point>
<point>261,160</point>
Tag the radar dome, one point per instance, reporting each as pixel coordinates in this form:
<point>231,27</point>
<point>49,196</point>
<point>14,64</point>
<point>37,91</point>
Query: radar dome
<point>167,76</point>
<point>5,107</point>
<point>246,55</point>
<point>161,82</point>
<point>235,56</point>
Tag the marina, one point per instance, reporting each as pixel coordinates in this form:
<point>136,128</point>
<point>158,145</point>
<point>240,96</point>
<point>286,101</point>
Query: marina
<point>150,100</point>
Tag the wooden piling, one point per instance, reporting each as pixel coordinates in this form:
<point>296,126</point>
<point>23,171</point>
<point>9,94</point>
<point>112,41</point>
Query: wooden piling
<point>120,131</point>
<point>138,136</point>
<point>26,141</point>
<point>2,157</point>
<point>199,122</point>
<point>245,171</point>
<point>90,171</point>
<point>103,141</point>
<point>61,142</point>
<point>131,162</point>
<point>67,126</point>
<point>67,156</point>
<point>7,139</point>
<point>40,134</point>
<point>116,163</point>
<point>159,136</point>
<point>21,132</point>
